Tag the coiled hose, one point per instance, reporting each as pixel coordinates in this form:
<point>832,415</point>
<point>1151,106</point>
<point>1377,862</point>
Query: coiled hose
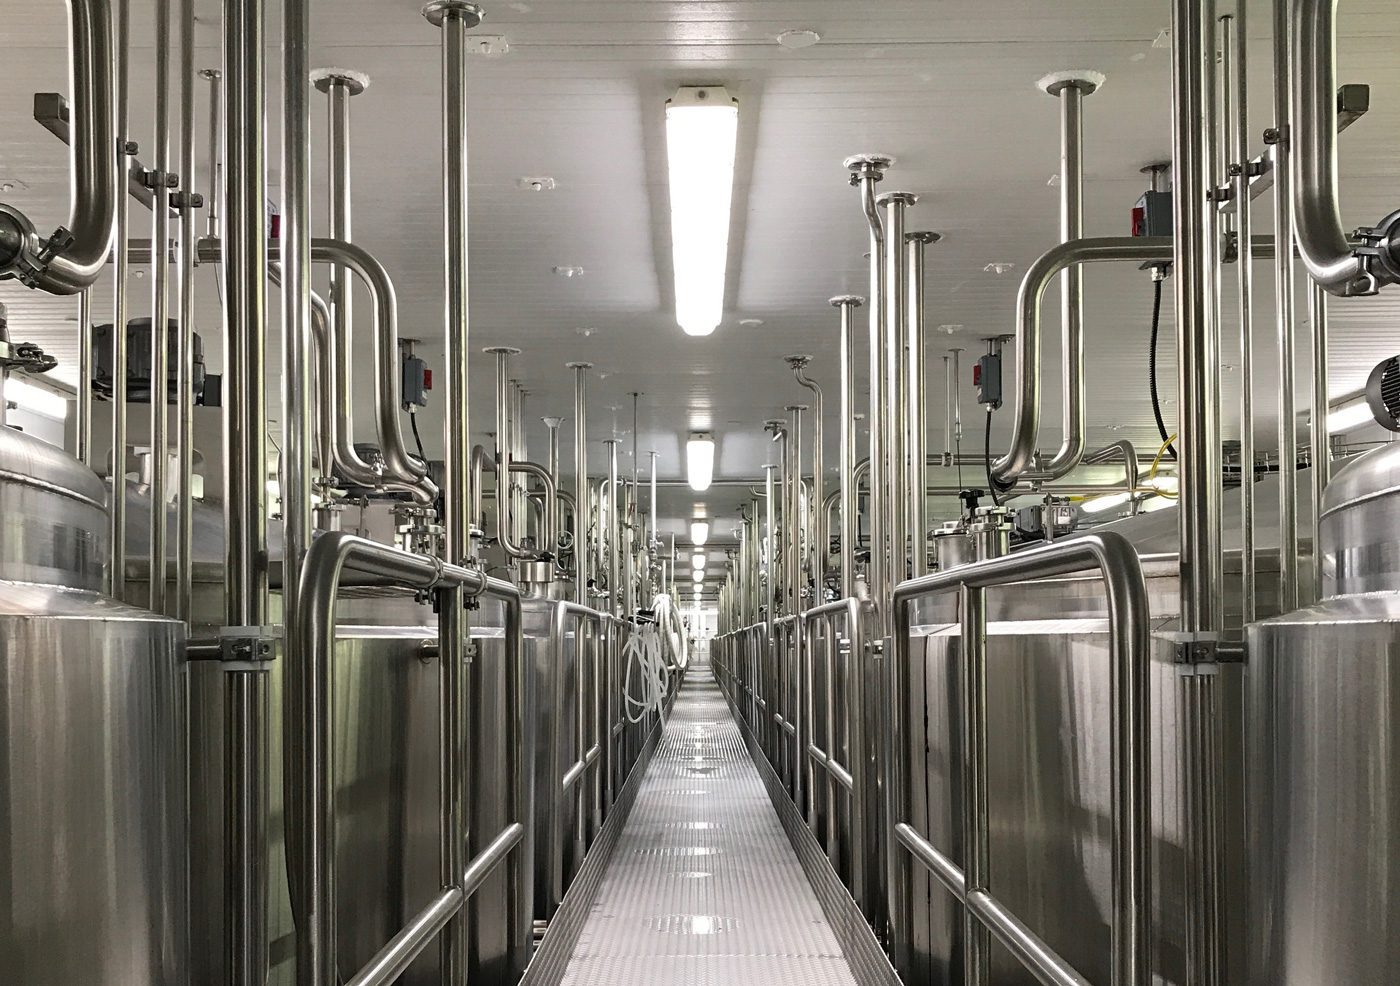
<point>657,651</point>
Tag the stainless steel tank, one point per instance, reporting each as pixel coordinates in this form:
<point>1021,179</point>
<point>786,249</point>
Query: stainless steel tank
<point>92,800</point>
<point>1324,772</point>
<point>1050,790</point>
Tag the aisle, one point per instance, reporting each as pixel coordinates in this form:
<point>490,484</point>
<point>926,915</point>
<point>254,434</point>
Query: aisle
<point>704,887</point>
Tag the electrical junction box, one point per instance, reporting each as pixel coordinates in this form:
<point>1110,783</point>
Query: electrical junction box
<point>417,381</point>
<point>986,380</point>
<point>1152,216</point>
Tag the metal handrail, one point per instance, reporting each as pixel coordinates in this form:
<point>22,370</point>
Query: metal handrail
<point>311,817</point>
<point>1129,643</point>
<point>586,715</point>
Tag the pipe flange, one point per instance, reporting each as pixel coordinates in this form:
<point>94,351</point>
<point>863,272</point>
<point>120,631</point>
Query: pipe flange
<point>578,365</point>
<point>1086,80</point>
<point>324,78</point>
<point>901,198</point>
<point>871,166</point>
<point>796,407</point>
<point>923,236</point>
<point>798,361</point>
<point>854,300</point>
<point>1380,250</point>
<point>436,11</point>
<point>508,350</point>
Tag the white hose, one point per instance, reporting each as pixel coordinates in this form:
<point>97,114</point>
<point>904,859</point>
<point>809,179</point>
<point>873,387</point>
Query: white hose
<point>648,648</point>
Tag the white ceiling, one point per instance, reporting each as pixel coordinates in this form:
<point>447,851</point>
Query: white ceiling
<point>947,86</point>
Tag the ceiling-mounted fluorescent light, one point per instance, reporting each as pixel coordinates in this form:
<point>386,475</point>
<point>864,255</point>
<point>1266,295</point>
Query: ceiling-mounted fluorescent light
<point>700,461</point>
<point>698,577</point>
<point>697,562</point>
<point>37,399</point>
<point>702,131</point>
<point>699,532</point>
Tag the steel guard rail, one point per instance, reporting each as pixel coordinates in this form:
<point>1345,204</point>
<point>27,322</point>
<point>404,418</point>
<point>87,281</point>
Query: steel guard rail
<point>311,822</point>
<point>1129,643</point>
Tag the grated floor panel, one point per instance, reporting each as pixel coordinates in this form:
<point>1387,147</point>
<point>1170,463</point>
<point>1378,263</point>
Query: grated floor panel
<point>704,888</point>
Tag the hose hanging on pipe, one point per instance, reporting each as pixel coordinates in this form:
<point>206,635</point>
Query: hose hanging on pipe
<point>1152,369</point>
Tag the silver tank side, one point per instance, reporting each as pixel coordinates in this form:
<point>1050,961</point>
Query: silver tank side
<point>92,763</point>
<point>1323,779</point>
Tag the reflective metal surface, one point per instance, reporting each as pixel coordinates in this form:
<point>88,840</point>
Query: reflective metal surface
<point>53,525</point>
<point>92,837</point>
<point>1359,531</point>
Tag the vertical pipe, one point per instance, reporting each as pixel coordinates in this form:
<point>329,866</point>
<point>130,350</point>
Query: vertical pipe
<point>652,543</point>
<point>1197,347</point>
<point>770,544</point>
<point>1321,444</point>
<point>817,502</point>
<point>977,938</point>
<point>1286,318</point>
<point>551,460</point>
<point>1071,92</point>
<point>307,718</point>
<point>582,554</point>
<point>850,495</point>
<point>948,451</point>
<point>897,489</point>
<point>340,85</point>
<point>122,270</point>
<point>215,196</point>
<point>83,444</point>
<point>1238,94</point>
<point>866,171</point>
<point>1198,365</point>
<point>160,311</point>
<point>455,18</point>
<point>614,559</point>
<point>505,399</point>
<point>917,456</point>
<point>184,371</point>
<point>245,493</point>
<point>956,401</point>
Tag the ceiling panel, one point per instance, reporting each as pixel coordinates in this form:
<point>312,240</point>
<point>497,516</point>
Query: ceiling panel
<point>948,86</point>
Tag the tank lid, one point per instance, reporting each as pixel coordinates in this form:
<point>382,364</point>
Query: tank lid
<point>1370,476</point>
<point>29,461</point>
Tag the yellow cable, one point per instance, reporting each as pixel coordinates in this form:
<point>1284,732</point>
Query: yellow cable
<point>1152,472</point>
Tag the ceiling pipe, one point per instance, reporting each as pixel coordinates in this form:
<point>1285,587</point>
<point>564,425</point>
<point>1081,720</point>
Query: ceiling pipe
<point>1330,258</point>
<point>1070,88</point>
<point>340,85</point>
<point>72,257</point>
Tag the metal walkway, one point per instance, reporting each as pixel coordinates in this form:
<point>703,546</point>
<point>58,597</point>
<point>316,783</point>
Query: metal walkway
<point>704,887</point>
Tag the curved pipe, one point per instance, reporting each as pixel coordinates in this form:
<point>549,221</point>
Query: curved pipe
<point>1124,451</point>
<point>399,464</point>
<point>550,537</point>
<point>1102,249</point>
<point>79,250</point>
<point>1026,419</point>
<point>1317,218</point>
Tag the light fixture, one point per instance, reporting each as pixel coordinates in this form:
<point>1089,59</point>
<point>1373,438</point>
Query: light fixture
<point>702,131</point>
<point>1099,504</point>
<point>697,562</point>
<point>700,460</point>
<point>698,577</point>
<point>31,398</point>
<point>699,532</point>
<point>798,39</point>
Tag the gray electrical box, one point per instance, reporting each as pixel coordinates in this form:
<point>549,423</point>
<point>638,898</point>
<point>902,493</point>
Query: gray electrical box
<point>417,381</point>
<point>986,379</point>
